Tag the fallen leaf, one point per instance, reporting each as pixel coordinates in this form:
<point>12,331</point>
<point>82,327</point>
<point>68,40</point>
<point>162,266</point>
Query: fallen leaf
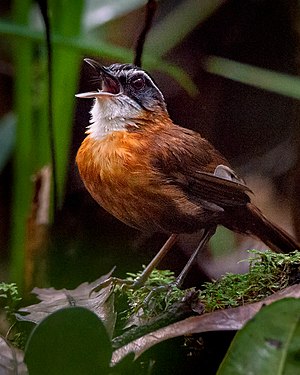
<point>220,320</point>
<point>11,359</point>
<point>101,302</point>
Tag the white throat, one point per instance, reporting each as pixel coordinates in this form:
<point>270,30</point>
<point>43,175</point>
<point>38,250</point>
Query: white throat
<point>112,114</point>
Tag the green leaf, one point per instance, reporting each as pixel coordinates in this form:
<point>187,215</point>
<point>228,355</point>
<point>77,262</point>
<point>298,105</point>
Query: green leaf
<point>272,81</point>
<point>268,344</point>
<point>24,154</point>
<point>70,341</point>
<point>89,46</point>
<point>66,64</point>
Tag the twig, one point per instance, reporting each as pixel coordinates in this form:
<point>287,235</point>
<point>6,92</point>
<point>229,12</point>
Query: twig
<point>150,11</point>
<point>37,230</point>
<point>43,5</point>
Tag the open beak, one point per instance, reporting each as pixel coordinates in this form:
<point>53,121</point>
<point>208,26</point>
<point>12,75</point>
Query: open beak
<point>110,85</point>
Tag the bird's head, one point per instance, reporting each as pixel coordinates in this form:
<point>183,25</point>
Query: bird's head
<point>126,98</point>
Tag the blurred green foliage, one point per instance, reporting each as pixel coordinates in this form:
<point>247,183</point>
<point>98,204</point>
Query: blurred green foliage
<point>29,54</point>
<point>76,31</point>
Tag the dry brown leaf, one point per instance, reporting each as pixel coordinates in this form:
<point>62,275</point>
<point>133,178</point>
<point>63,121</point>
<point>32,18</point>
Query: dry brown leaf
<point>220,320</point>
<point>11,360</point>
<point>85,295</point>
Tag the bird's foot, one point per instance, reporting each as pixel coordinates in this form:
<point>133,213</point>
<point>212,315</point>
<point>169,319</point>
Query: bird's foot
<point>167,291</point>
<point>122,284</point>
<point>113,282</point>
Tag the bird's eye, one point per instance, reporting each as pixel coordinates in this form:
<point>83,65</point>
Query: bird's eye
<point>137,83</point>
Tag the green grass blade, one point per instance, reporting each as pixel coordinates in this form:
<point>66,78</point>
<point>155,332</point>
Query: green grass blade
<point>22,188</point>
<point>265,79</point>
<point>66,63</point>
<point>88,47</point>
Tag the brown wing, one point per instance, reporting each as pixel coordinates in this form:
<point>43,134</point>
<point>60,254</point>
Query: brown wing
<point>218,190</point>
<point>193,164</point>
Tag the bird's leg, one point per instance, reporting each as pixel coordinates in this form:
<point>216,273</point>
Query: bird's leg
<point>155,261</point>
<point>140,281</point>
<point>208,233</point>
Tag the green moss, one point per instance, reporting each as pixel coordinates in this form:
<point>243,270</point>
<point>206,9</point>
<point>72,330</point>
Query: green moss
<point>9,302</point>
<point>10,298</point>
<point>155,297</point>
<point>268,273</point>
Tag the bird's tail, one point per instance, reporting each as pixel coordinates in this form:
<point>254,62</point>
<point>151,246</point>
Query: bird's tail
<point>253,222</point>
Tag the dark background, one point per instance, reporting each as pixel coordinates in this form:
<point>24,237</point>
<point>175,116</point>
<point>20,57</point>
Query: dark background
<point>256,130</point>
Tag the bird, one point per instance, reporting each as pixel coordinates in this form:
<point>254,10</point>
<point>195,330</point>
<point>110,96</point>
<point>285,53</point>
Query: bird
<point>156,176</point>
